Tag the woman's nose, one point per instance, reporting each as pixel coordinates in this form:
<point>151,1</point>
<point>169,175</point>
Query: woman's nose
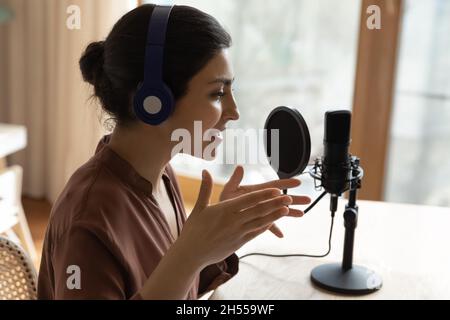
<point>231,112</point>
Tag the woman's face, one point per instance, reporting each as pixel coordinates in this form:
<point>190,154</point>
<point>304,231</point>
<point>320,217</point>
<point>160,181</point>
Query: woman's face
<point>208,104</point>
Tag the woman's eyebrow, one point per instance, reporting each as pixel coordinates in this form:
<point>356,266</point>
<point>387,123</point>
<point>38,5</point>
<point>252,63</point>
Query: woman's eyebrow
<point>225,81</point>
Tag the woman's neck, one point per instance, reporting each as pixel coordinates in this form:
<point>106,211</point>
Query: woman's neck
<point>148,150</point>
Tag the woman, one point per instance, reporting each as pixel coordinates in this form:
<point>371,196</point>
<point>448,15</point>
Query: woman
<point>119,230</point>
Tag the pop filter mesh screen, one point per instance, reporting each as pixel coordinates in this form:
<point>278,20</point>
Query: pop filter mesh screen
<point>294,142</point>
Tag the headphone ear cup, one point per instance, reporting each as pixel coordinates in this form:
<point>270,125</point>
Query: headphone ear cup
<point>154,105</point>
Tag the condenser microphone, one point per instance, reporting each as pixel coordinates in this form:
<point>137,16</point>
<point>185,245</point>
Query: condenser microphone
<point>336,159</point>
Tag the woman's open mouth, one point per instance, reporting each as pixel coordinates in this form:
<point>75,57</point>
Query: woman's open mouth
<point>217,137</point>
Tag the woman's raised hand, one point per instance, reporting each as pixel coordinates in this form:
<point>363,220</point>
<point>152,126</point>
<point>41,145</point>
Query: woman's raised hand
<point>233,189</point>
<point>213,232</point>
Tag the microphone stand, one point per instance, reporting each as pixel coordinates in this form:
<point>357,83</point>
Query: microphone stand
<point>347,278</point>
<point>350,221</point>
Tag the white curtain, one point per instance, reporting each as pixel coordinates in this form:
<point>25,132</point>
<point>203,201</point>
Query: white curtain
<point>41,86</point>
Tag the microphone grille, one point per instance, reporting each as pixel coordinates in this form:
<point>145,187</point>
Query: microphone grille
<point>337,126</point>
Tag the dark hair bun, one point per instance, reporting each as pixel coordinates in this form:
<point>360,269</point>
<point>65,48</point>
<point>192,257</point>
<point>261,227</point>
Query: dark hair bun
<point>91,62</point>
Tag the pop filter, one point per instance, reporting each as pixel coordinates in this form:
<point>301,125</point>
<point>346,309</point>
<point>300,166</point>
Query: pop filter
<point>289,156</point>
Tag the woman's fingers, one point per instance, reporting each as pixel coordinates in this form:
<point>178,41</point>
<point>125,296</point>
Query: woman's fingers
<point>281,184</point>
<point>262,225</point>
<point>265,221</point>
<point>236,177</point>
<point>276,231</point>
<point>264,208</point>
<point>301,200</point>
<point>249,200</point>
<point>253,234</point>
<point>205,192</point>
<point>295,213</point>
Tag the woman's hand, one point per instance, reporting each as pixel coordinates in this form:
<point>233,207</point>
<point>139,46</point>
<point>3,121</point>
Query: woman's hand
<point>213,232</point>
<point>233,189</point>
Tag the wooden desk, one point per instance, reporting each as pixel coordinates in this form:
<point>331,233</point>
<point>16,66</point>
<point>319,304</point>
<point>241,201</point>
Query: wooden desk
<point>409,246</point>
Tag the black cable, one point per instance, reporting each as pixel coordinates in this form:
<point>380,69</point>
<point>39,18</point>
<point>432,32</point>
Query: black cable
<point>300,255</point>
<point>312,205</point>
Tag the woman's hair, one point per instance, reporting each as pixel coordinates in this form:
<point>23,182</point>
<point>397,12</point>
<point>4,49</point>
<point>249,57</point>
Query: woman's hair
<point>115,66</point>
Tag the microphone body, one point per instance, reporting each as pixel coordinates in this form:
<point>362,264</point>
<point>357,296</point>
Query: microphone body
<point>336,166</point>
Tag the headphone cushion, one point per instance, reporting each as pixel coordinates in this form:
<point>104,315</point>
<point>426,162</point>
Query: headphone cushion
<point>153,105</point>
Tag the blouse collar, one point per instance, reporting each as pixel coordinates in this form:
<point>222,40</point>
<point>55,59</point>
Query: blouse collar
<point>123,168</point>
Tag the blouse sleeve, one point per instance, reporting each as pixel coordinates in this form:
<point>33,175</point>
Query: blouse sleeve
<point>217,274</point>
<point>85,268</point>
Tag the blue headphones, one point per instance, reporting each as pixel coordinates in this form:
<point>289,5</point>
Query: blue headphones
<point>154,101</point>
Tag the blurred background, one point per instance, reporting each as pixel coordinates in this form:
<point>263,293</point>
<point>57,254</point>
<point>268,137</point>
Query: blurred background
<point>315,55</point>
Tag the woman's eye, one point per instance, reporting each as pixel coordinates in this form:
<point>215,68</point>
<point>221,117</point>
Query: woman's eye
<point>218,95</point>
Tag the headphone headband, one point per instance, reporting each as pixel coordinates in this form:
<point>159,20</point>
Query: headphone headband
<point>156,37</point>
<point>154,101</point>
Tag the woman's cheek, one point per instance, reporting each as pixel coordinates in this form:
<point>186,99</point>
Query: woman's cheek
<point>209,147</point>
<point>209,119</point>
<point>212,115</point>
<point>197,118</point>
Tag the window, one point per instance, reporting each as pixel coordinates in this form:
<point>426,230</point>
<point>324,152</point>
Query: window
<point>418,166</point>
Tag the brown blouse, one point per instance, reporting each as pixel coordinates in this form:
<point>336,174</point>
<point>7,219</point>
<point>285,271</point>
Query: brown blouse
<point>107,230</point>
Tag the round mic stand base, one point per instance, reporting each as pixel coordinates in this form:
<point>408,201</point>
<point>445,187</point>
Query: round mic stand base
<point>357,280</point>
